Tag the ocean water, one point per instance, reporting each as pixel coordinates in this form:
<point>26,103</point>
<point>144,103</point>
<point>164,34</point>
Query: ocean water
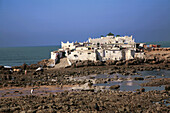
<point>15,56</point>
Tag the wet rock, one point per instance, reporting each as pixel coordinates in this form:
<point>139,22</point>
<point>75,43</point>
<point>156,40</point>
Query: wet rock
<point>138,78</point>
<point>114,87</point>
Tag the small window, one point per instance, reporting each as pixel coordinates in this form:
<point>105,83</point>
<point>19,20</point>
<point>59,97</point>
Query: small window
<point>89,53</point>
<point>113,51</point>
<point>106,51</point>
<point>116,41</point>
<point>68,45</point>
<point>75,55</point>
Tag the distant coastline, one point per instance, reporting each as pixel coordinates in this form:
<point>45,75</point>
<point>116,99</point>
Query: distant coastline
<point>162,43</point>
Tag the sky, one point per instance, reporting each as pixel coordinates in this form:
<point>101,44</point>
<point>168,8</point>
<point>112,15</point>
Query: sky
<point>48,22</point>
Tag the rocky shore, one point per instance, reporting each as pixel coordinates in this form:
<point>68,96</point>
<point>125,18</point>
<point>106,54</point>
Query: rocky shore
<point>88,100</point>
<point>59,76</point>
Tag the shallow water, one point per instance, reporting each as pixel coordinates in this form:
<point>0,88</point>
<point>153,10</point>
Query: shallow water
<point>157,73</point>
<point>130,85</point>
<point>14,92</point>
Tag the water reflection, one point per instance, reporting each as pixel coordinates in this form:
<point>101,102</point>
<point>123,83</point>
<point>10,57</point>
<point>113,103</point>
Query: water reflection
<point>129,84</point>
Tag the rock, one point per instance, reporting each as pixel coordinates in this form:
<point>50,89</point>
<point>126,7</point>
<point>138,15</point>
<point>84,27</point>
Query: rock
<point>98,63</point>
<point>112,72</point>
<point>2,110</point>
<point>79,64</point>
<point>138,78</point>
<point>110,62</point>
<point>31,111</point>
<point>90,84</point>
<point>150,77</point>
<point>1,67</point>
<point>96,107</point>
<point>14,109</point>
<point>167,87</point>
<point>163,75</point>
<point>142,90</point>
<point>114,87</point>
<point>119,63</point>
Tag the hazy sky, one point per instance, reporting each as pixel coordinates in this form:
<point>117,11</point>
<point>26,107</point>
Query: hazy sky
<point>48,22</point>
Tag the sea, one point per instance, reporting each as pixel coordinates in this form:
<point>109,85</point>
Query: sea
<point>16,56</point>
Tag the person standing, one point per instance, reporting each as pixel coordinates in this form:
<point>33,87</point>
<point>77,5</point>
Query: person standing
<point>25,68</point>
<point>32,91</point>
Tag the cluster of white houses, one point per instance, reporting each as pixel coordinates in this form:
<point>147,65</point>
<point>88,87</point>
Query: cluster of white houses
<point>102,49</point>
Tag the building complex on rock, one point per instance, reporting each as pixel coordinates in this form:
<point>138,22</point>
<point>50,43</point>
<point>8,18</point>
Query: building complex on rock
<point>100,49</point>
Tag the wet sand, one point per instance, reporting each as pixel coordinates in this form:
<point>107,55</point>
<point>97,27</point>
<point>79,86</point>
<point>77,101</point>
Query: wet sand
<point>42,90</point>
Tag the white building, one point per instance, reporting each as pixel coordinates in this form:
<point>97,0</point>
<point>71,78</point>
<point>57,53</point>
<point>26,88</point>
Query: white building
<point>112,40</point>
<point>68,45</point>
<point>82,53</point>
<point>104,48</point>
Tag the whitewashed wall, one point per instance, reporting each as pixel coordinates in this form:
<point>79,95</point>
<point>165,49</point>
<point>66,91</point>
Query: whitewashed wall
<point>82,55</point>
<point>68,45</point>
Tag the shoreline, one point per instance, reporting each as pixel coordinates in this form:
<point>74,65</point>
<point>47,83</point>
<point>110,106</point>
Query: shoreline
<point>87,98</point>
